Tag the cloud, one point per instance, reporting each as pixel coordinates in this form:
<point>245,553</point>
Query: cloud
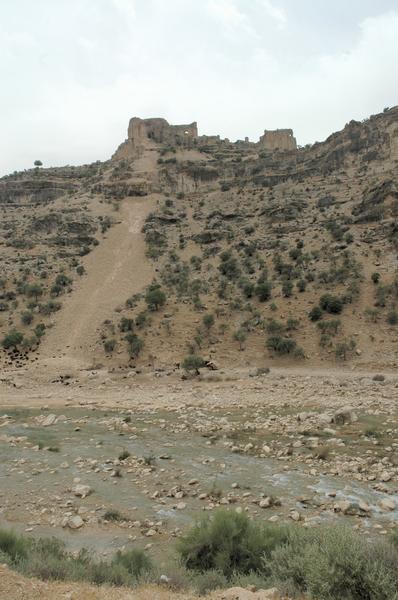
<point>69,91</point>
<point>275,12</point>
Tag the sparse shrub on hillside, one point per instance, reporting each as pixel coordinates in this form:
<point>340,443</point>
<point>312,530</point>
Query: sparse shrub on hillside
<point>281,345</point>
<point>315,313</point>
<point>331,304</point>
<point>34,290</point>
<point>292,324</point>
<point>109,346</point>
<point>135,344</point>
<point>126,325</point>
<point>375,277</point>
<point>287,289</point>
<point>301,285</point>
<point>155,297</point>
<point>330,327</point>
<point>27,317</point>
<point>240,336</point>
<point>13,339</point>
<point>208,321</point>
<point>264,291</point>
<point>229,266</point>
<point>392,318</point>
<point>192,364</point>
<point>273,326</point>
<point>344,349</point>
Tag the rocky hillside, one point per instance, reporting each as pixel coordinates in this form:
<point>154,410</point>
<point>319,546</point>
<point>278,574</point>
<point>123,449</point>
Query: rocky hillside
<point>260,254</point>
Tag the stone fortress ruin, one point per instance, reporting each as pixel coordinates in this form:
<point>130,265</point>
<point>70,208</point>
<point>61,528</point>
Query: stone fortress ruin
<point>141,132</point>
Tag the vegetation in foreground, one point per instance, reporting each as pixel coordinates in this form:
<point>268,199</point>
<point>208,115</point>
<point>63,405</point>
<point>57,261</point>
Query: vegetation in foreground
<point>326,563</point>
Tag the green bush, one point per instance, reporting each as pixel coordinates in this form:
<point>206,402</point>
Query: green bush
<point>27,317</point>
<point>47,559</point>
<point>315,313</point>
<point>12,340</point>
<point>287,289</point>
<point>228,543</point>
<point>135,344</point>
<point>281,345</point>
<point>331,304</point>
<point>193,363</point>
<point>155,297</point>
<point>263,291</point>
<point>334,563</point>
<point>109,346</point>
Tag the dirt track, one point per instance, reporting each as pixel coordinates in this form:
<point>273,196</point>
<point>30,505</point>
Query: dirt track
<point>116,269</point>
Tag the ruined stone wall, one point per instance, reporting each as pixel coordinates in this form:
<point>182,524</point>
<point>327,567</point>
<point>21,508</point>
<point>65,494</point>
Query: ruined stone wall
<point>160,131</point>
<point>279,139</point>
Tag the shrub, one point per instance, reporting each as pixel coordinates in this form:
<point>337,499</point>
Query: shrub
<point>240,336</point>
<point>193,363</point>
<point>331,326</point>
<point>27,317</point>
<point>263,291</point>
<point>392,318</point>
<point>335,563</point>
<point>34,291</point>
<point>126,325</point>
<point>155,297</point>
<point>301,285</point>
<point>135,344</point>
<point>331,304</point>
<point>274,326</point>
<point>12,340</point>
<point>281,345</point>
<point>287,289</point>
<point>109,346</point>
<point>315,313</point>
<point>375,277</point>
<point>228,543</point>
<point>136,562</point>
<point>342,349</point>
<point>208,321</point>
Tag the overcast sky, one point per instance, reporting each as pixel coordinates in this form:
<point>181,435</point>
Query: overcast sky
<point>72,72</point>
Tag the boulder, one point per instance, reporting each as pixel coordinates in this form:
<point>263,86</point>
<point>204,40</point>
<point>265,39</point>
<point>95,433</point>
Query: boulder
<point>81,491</point>
<point>74,522</point>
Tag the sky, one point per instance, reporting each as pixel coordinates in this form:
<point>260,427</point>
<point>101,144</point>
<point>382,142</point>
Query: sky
<point>73,72</point>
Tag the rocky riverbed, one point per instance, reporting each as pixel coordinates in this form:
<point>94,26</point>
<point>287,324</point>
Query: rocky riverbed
<point>139,462</point>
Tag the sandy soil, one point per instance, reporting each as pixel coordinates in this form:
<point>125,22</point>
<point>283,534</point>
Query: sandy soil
<point>116,269</point>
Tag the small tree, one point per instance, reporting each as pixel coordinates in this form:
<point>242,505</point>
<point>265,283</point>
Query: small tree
<point>263,291</point>
<point>287,289</point>
<point>155,297</point>
<point>240,336</point>
<point>13,339</point>
<point>208,321</point>
<point>135,344</point>
<point>315,313</point>
<point>34,291</point>
<point>38,163</point>
<point>342,349</point>
<point>193,363</point>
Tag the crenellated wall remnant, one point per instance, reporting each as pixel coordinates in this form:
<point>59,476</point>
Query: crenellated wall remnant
<point>278,139</point>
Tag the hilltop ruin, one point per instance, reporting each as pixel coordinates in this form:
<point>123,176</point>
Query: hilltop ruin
<point>142,132</point>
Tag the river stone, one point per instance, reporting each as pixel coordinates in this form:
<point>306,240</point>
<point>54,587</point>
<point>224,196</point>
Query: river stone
<point>387,504</point>
<point>81,491</point>
<point>74,522</point>
<point>49,420</point>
